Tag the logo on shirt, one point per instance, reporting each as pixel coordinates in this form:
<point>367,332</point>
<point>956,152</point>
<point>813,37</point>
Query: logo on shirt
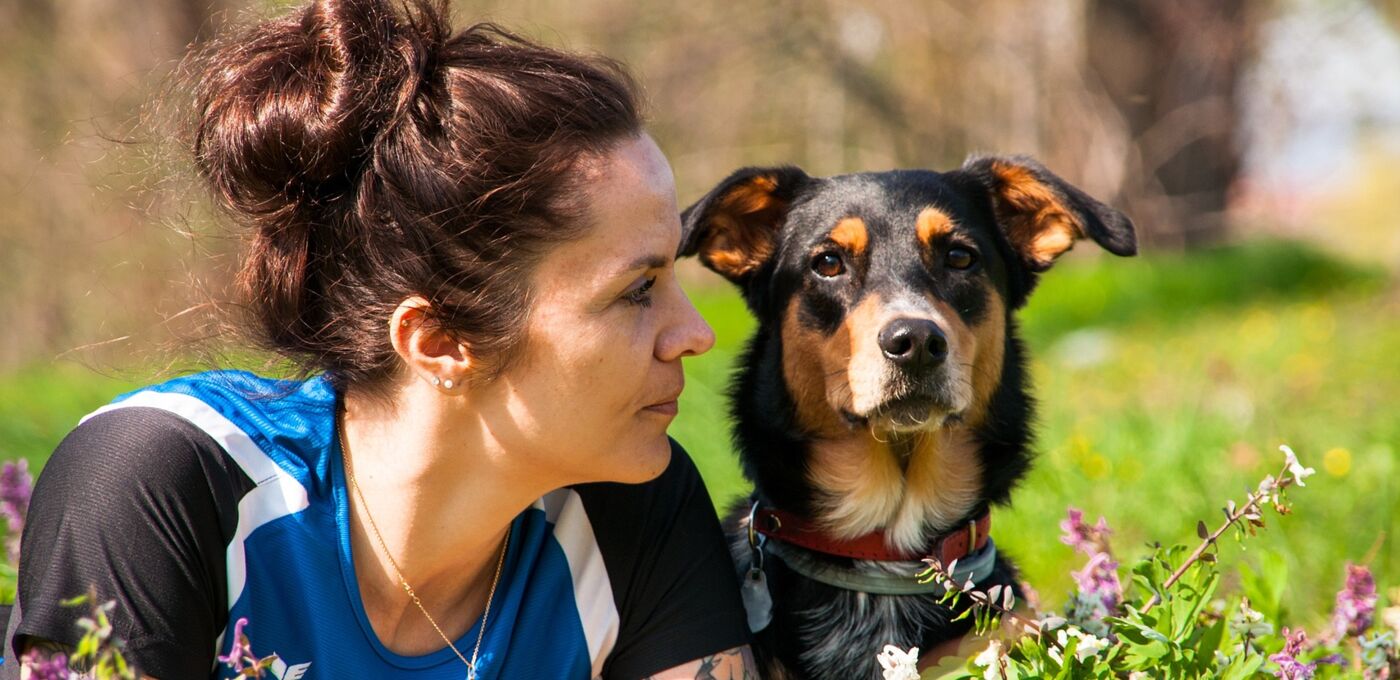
<point>282,671</point>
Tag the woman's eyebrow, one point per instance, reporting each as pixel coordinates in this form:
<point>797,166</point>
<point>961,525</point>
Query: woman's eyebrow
<point>651,261</point>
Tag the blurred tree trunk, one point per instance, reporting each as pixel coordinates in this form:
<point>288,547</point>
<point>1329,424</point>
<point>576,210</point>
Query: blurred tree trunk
<point>78,238</point>
<point>1172,69</point>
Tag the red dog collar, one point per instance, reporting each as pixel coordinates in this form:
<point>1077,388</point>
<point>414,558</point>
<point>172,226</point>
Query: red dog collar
<point>790,528</point>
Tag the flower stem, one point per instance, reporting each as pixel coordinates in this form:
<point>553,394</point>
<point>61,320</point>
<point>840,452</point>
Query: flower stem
<point>1251,505</point>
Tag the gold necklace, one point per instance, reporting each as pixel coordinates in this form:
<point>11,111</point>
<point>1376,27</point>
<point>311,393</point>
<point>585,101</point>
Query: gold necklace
<point>500,561</point>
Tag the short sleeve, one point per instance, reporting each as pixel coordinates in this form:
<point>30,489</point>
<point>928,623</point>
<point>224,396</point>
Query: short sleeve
<point>673,579</point>
<point>137,505</point>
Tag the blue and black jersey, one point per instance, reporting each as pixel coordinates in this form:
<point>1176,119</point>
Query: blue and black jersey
<point>222,495</point>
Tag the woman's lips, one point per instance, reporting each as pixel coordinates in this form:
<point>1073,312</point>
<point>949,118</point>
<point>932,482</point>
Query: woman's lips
<point>665,408</point>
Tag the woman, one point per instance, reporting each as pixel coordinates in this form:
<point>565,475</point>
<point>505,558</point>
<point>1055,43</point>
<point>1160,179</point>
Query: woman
<point>466,243</point>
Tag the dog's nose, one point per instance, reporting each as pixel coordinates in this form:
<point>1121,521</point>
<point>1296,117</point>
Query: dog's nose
<point>913,343</point>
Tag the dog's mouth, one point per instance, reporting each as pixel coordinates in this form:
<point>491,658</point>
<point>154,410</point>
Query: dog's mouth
<point>906,414</point>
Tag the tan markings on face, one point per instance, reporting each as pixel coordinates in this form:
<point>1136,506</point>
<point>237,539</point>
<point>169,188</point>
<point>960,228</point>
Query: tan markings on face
<point>975,356</point>
<point>990,337</point>
<point>867,370</point>
<point>743,227</point>
<point>1037,222</point>
<point>941,486</point>
<point>931,224</point>
<point>813,369</point>
<point>852,235</point>
<point>962,352</point>
<point>862,485</point>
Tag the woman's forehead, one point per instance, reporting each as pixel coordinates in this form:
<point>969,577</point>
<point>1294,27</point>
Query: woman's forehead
<point>629,204</point>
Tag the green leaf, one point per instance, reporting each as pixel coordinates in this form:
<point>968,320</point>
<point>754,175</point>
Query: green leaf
<point>1244,667</point>
<point>74,601</point>
<point>1137,632</point>
<point>87,647</point>
<point>1206,646</point>
<point>1264,585</point>
<point>1189,597</point>
<point>956,674</point>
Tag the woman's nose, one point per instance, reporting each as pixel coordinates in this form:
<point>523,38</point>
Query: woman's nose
<point>689,335</point>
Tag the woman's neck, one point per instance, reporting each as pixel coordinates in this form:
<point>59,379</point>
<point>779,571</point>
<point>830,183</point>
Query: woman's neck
<point>441,493</point>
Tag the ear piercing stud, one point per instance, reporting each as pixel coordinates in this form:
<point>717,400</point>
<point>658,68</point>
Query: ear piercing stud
<point>447,384</point>
<point>436,381</point>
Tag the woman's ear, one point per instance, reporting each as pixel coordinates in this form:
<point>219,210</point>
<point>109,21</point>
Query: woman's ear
<point>734,228</point>
<point>1043,215</point>
<point>431,353</point>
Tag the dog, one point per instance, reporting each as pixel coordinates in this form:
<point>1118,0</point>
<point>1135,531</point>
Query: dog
<point>880,409</point>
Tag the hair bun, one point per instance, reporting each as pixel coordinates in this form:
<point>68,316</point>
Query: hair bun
<point>289,112</point>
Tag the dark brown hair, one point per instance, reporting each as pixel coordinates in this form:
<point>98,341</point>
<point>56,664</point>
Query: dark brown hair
<point>375,155</point>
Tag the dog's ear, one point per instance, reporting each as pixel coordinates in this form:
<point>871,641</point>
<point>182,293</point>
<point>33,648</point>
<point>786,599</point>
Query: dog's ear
<point>1043,215</point>
<point>734,228</point>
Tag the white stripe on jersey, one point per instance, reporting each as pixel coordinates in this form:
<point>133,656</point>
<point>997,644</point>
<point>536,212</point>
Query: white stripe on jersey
<point>593,595</point>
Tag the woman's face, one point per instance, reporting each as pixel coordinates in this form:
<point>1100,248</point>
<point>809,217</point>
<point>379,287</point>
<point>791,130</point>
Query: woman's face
<point>596,387</point>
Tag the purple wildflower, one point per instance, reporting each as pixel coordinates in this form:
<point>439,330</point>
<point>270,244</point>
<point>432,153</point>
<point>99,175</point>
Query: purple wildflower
<point>241,651</point>
<point>1289,667</point>
<point>44,667</point>
<point>1356,603</point>
<point>1098,590</point>
<point>1089,540</point>
<point>1099,580</point>
<point>16,486</point>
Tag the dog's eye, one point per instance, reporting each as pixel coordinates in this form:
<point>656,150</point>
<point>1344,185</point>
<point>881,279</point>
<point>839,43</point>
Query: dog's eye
<point>828,264</point>
<point>960,258</point>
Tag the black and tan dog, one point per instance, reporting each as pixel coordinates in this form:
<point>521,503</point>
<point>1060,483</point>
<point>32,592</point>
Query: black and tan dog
<point>880,409</point>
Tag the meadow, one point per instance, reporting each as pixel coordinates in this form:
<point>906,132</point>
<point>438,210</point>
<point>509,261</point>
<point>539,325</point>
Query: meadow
<point>1166,384</point>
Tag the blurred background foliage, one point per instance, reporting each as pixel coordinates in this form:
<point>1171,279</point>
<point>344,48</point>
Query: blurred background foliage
<point>1256,144</point>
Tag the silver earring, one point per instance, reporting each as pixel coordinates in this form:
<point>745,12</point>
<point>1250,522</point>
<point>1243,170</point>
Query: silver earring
<point>404,323</point>
<point>436,381</point>
<point>447,384</point>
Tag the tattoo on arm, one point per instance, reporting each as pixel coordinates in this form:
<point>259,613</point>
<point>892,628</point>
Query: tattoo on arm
<point>733,664</point>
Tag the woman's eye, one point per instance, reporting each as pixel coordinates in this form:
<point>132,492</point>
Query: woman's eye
<point>828,264</point>
<point>641,295</point>
<point>960,258</point>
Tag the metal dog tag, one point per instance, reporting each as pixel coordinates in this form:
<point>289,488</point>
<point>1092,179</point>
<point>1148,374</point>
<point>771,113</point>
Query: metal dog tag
<point>758,603</point>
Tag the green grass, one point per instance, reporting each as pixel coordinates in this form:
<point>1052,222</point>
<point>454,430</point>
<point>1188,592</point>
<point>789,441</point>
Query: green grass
<point>1165,384</point>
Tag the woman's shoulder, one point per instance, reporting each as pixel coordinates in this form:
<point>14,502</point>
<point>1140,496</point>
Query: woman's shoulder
<point>266,425</point>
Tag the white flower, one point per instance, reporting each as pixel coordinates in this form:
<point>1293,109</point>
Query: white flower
<point>1139,675</point>
<point>1294,467</point>
<point>899,664</point>
<point>990,659</point>
<point>1390,616</point>
<point>1268,489</point>
<point>1249,623</point>
<point>1089,644</point>
<point>1051,622</point>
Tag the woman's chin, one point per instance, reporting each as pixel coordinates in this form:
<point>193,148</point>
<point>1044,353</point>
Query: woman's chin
<point>650,460</point>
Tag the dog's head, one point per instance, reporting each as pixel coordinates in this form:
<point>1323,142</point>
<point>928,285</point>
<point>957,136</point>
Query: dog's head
<point>892,292</point>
